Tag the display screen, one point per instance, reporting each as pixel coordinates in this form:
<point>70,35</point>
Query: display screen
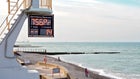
<point>41,26</point>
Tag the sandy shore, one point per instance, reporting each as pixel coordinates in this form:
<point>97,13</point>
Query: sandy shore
<point>74,71</point>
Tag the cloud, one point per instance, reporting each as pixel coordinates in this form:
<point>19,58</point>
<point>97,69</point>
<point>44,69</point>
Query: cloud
<point>102,22</point>
<point>76,3</point>
<point>76,21</point>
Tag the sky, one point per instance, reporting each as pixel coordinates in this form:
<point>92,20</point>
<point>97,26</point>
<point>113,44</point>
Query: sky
<point>92,21</point>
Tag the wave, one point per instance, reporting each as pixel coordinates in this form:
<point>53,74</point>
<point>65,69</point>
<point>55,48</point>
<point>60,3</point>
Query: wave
<point>103,73</point>
<point>98,71</point>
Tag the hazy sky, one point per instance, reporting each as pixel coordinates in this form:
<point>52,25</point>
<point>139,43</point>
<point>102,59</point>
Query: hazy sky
<point>93,21</point>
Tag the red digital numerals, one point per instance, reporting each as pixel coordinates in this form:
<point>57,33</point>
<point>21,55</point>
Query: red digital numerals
<point>40,22</point>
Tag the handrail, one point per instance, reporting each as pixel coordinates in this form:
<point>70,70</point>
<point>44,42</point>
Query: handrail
<point>46,3</point>
<point>7,19</point>
<point>12,30</point>
<point>6,24</point>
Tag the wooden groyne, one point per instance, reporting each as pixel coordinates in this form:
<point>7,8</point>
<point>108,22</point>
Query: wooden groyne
<point>106,52</point>
<point>58,53</point>
<point>63,53</point>
<point>44,51</point>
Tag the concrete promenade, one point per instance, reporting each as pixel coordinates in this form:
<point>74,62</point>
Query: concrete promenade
<point>74,71</point>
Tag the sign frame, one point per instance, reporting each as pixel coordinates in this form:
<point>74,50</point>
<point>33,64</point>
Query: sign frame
<point>56,70</point>
<point>41,25</point>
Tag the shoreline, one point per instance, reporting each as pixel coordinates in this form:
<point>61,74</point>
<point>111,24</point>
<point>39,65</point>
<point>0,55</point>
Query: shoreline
<point>91,70</point>
<point>75,71</point>
<point>93,73</point>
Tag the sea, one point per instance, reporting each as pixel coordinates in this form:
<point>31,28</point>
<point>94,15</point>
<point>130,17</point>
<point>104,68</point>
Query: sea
<point>123,65</point>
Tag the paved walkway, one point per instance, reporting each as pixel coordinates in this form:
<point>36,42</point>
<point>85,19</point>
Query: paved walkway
<point>74,71</point>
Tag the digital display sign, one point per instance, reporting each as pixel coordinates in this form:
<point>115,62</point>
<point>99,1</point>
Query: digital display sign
<point>41,26</point>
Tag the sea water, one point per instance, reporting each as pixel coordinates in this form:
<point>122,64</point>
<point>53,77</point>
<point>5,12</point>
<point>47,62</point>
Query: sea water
<point>124,65</point>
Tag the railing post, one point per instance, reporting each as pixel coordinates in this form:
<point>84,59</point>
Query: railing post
<point>8,6</point>
<point>17,6</point>
<point>51,4</point>
<point>41,2</point>
<point>24,4</point>
<point>7,22</point>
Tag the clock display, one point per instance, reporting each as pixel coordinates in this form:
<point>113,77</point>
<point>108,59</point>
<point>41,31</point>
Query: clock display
<point>41,26</point>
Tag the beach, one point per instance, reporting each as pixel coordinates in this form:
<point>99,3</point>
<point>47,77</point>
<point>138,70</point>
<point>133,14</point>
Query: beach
<point>74,71</point>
